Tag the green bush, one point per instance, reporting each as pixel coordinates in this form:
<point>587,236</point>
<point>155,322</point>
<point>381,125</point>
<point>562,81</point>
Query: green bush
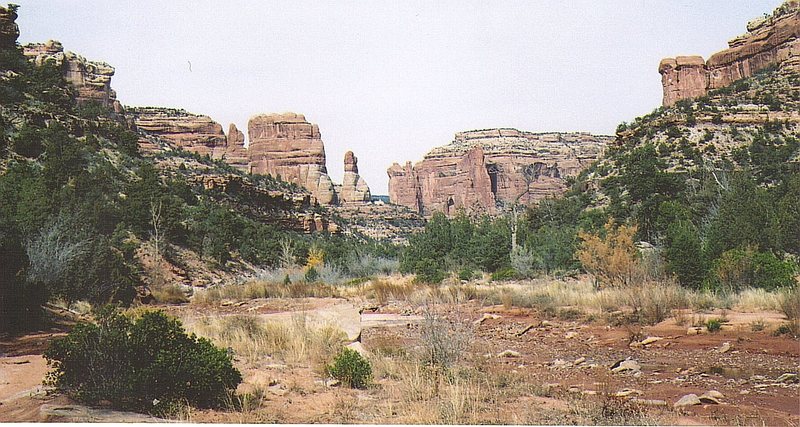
<point>351,369</point>
<point>147,364</point>
<point>714,325</point>
<point>504,274</point>
<point>737,269</point>
<point>466,273</point>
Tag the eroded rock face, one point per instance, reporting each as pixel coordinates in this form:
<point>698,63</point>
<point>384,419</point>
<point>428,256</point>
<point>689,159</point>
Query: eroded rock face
<point>235,151</point>
<point>191,132</point>
<point>773,40</point>
<point>289,146</point>
<point>485,171</point>
<point>9,31</point>
<point>91,79</point>
<point>354,188</point>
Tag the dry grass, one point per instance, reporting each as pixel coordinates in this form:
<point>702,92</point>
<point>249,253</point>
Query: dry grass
<point>424,394</point>
<point>384,290</point>
<point>789,303</point>
<point>263,289</point>
<point>252,338</point>
<point>170,294</point>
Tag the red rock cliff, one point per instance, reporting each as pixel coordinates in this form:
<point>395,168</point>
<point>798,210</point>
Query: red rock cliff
<point>91,79</point>
<point>769,41</point>
<point>289,146</point>
<point>485,171</point>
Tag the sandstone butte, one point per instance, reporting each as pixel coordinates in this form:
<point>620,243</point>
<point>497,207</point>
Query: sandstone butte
<point>488,171</point>
<point>769,41</point>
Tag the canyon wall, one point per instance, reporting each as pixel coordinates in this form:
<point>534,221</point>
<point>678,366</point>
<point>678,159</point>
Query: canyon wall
<point>486,171</point>
<point>769,41</point>
<point>90,79</point>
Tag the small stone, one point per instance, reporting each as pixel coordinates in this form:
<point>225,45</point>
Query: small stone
<point>788,378</point>
<point>726,347</point>
<point>688,400</point>
<point>625,392</point>
<point>570,335</point>
<point>744,392</point>
<point>559,363</point>
<point>509,353</point>
<point>649,402</point>
<point>715,394</point>
<point>625,366</point>
<point>485,317</point>
<point>578,361</point>
<point>650,340</point>
<point>589,392</point>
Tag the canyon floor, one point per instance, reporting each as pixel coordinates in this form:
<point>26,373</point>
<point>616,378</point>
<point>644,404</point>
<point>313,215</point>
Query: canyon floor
<point>516,366</point>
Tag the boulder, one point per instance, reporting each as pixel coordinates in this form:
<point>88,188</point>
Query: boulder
<point>627,365</point>
<point>688,400</point>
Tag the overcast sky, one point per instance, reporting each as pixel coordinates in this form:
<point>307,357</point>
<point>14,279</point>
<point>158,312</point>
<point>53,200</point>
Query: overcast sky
<point>392,79</point>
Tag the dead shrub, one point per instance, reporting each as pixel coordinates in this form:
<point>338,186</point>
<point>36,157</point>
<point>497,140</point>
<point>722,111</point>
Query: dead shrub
<point>612,258</point>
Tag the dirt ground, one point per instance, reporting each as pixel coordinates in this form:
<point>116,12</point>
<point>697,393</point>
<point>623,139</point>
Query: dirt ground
<point>520,368</point>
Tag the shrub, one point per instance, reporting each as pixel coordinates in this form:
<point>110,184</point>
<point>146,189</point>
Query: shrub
<point>147,364</point>
<point>714,325</point>
<point>351,369</point>
<point>737,269</point>
<point>612,258</point>
<point>311,275</point>
<point>504,274</point>
<point>466,273</point>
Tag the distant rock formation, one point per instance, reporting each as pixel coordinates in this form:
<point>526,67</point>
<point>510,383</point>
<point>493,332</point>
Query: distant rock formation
<point>9,31</point>
<point>484,171</point>
<point>354,189</point>
<point>288,146</point>
<point>91,79</point>
<point>772,40</point>
<point>235,151</point>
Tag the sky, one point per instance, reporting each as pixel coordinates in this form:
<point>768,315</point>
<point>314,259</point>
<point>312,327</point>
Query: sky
<point>390,80</point>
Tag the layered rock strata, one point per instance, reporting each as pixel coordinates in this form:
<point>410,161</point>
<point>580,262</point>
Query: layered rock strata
<point>769,41</point>
<point>191,132</point>
<point>288,146</point>
<point>90,79</point>
<point>354,188</point>
<point>486,171</point>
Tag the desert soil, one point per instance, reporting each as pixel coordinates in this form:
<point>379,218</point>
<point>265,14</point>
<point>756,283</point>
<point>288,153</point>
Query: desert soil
<point>554,368</point>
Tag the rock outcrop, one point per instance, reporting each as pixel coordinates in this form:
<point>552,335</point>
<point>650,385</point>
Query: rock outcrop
<point>486,171</point>
<point>288,146</point>
<point>235,151</point>
<point>354,189</point>
<point>9,31</point>
<point>191,132</point>
<point>90,79</point>
<point>770,41</point>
